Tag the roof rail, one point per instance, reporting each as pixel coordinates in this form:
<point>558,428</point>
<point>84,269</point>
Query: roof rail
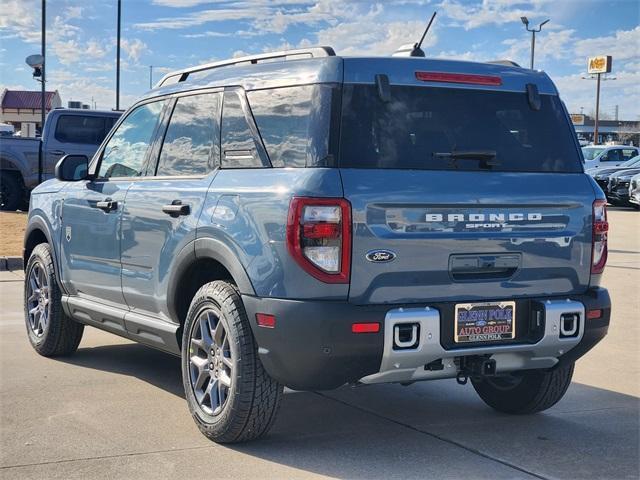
<point>507,63</point>
<point>284,55</point>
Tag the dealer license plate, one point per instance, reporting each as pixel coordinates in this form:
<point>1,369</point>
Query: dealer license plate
<point>485,322</point>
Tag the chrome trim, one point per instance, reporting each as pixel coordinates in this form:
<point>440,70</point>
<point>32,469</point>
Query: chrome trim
<point>408,365</point>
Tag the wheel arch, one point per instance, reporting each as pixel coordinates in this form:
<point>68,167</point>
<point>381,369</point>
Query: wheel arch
<point>201,262</point>
<point>38,232</point>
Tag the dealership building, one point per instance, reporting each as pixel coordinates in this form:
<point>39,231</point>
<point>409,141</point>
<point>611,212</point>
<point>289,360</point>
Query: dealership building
<point>626,132</point>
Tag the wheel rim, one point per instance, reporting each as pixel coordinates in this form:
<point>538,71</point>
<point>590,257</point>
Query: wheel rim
<point>210,362</point>
<point>38,299</point>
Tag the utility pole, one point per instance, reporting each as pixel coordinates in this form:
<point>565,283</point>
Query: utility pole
<point>150,77</point>
<point>118,57</point>
<point>43,105</point>
<point>533,31</point>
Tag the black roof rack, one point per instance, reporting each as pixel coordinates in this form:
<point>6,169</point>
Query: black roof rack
<point>284,55</point>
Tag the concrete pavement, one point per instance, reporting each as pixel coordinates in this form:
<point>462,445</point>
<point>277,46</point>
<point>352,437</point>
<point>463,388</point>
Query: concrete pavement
<point>116,410</point>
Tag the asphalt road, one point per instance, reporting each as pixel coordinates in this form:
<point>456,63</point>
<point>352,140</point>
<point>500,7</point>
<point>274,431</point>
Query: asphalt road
<point>116,410</point>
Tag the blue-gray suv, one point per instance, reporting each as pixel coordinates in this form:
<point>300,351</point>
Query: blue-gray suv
<point>306,220</point>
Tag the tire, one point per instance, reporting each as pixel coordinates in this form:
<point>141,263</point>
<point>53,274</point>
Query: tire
<point>230,395</point>
<point>526,392</point>
<point>11,191</point>
<point>50,331</point>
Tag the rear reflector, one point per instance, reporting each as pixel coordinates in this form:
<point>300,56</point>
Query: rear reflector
<point>370,327</point>
<point>266,321</point>
<point>594,314</point>
<point>459,78</point>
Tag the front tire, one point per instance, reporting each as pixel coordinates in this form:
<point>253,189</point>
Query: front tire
<point>230,395</point>
<point>529,391</point>
<point>50,331</point>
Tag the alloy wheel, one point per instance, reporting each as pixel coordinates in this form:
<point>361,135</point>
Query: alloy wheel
<point>210,361</point>
<point>38,299</point>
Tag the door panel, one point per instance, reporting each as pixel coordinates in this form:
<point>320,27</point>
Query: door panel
<point>152,238</point>
<point>90,241</point>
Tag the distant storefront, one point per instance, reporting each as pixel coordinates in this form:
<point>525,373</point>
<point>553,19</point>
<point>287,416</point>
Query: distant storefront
<point>21,106</point>
<point>609,131</point>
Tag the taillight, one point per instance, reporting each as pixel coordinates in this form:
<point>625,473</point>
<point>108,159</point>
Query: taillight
<point>599,239</point>
<point>319,237</point>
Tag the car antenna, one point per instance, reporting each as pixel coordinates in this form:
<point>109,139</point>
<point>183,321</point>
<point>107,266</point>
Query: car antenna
<point>417,51</point>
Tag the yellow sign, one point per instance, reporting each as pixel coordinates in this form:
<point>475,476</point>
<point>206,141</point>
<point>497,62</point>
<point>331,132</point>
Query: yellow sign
<point>577,118</point>
<point>600,64</point>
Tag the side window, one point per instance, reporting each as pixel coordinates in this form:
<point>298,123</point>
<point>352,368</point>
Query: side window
<point>125,152</point>
<point>294,123</point>
<point>88,130</point>
<point>612,155</point>
<point>239,148</point>
<point>192,140</point>
<point>628,153</point>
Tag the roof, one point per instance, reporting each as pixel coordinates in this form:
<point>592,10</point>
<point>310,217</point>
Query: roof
<point>25,99</point>
<point>299,70</point>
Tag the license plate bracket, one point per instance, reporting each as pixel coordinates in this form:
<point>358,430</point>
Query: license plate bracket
<point>485,322</point>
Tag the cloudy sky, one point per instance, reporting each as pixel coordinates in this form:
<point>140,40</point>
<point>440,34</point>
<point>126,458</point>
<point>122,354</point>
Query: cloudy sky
<point>170,34</point>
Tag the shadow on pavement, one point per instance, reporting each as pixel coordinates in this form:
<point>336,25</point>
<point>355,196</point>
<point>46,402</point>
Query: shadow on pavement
<point>157,368</point>
<point>433,429</point>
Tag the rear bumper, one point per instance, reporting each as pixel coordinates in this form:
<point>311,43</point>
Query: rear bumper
<point>312,345</point>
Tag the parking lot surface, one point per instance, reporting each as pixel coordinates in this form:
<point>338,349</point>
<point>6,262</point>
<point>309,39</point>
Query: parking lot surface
<point>116,410</point>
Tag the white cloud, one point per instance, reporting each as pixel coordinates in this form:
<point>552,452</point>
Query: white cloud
<point>134,48</point>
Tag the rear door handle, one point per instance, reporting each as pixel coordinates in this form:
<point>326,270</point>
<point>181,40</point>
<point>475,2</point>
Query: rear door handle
<point>56,152</point>
<point>107,205</point>
<point>176,209</point>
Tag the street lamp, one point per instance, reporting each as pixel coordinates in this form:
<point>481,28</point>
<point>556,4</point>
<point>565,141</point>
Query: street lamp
<point>533,31</point>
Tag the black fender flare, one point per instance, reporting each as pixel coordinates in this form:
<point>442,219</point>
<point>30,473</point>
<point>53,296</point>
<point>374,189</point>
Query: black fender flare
<point>215,249</point>
<point>205,248</point>
<point>36,222</point>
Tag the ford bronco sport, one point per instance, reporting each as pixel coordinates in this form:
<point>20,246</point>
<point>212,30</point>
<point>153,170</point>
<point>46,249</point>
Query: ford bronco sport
<point>306,220</point>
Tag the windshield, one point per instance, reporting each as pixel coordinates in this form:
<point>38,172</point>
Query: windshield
<point>635,161</point>
<point>590,153</point>
<point>435,128</point>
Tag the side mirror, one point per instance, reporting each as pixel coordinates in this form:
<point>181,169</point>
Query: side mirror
<point>72,168</point>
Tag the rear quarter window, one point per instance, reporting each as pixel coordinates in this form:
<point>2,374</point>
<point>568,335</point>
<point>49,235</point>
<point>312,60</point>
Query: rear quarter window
<point>294,123</point>
<point>419,126</point>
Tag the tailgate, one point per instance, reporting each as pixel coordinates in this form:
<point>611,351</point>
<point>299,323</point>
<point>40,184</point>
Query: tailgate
<point>467,235</point>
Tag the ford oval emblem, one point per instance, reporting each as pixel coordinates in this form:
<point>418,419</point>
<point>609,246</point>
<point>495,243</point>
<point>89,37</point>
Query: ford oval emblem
<point>381,256</point>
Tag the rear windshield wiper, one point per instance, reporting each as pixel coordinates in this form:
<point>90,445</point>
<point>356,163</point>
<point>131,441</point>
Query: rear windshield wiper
<point>487,158</point>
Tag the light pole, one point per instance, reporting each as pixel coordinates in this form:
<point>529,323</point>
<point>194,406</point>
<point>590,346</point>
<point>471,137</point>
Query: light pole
<point>533,31</point>
<point>118,58</point>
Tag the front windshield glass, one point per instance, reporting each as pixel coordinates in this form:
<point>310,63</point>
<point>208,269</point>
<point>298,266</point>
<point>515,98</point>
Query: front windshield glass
<point>635,161</point>
<point>590,153</point>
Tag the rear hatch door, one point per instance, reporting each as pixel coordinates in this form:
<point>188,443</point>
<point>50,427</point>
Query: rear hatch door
<point>462,194</point>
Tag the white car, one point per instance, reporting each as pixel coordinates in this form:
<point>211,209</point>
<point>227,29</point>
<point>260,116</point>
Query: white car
<point>634,191</point>
<point>596,156</point>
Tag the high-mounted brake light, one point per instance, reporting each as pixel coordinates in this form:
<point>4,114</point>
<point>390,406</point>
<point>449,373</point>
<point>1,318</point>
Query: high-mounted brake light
<point>599,249</point>
<point>319,237</point>
<point>467,78</point>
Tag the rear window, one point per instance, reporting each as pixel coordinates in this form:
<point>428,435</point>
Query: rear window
<point>454,129</point>
<point>89,130</point>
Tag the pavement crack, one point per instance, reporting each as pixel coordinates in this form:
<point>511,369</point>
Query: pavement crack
<point>102,457</point>
<point>436,436</point>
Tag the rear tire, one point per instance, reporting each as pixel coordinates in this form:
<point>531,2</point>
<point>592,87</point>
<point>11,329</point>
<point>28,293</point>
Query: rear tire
<point>230,395</point>
<point>11,191</point>
<point>529,391</point>
<point>50,331</point>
